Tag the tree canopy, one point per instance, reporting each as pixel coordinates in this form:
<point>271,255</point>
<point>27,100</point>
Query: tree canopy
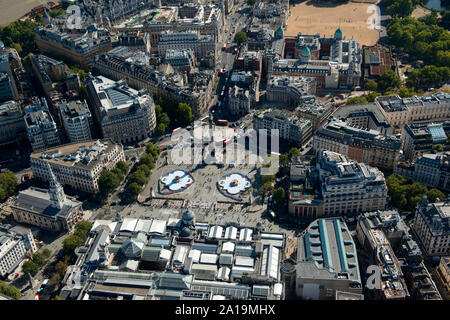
<point>8,183</point>
<point>405,196</point>
<point>134,189</point>
<point>20,35</point>
<point>429,43</point>
<point>278,195</point>
<point>371,85</point>
<point>428,76</point>
<point>80,234</point>
<point>184,114</point>
<point>108,181</point>
<point>153,150</point>
<point>399,8</point>
<point>10,291</point>
<point>240,38</point>
<point>356,100</point>
<point>122,166</point>
<point>389,80</point>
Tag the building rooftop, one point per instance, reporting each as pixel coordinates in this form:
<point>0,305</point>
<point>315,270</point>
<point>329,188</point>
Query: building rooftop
<point>82,154</point>
<point>38,201</point>
<point>116,96</point>
<point>326,251</point>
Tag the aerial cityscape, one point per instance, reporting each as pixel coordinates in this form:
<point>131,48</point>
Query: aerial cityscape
<point>231,150</point>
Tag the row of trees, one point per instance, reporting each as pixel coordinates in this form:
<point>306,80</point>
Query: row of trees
<point>108,181</point>
<point>139,178</point>
<point>405,195</point>
<point>8,183</point>
<point>163,120</point>
<point>36,262</point>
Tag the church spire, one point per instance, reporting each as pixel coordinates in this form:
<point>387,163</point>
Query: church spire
<point>55,191</point>
<point>46,18</point>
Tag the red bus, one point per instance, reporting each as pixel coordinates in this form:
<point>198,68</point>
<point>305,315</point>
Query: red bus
<point>222,122</point>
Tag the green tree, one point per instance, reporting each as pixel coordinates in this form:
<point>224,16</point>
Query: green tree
<point>405,92</point>
<point>240,38</point>
<point>445,20</point>
<point>356,100</point>
<point>164,119</point>
<point>3,194</point>
<point>56,12</point>
<point>434,194</point>
<point>21,33</point>
<point>70,243</point>
<point>18,48</point>
<point>134,189</point>
<point>38,259</point>
<point>278,195</point>
<point>268,178</point>
<point>150,148</point>
<point>30,267</point>
<point>84,226</point>
<point>122,165</point>
<point>400,8</point>
<point>428,76</point>
<point>118,173</point>
<point>184,113</point>
<point>138,177</point>
<point>8,183</point>
<point>251,2</point>
<point>10,291</point>
<point>293,152</point>
<point>46,253</point>
<point>371,85</point>
<point>107,182</point>
<point>160,129</point>
<point>267,187</point>
<point>372,95</point>
<point>143,167</point>
<point>388,80</point>
<point>82,229</point>
<point>148,160</point>
<point>430,19</point>
<point>284,160</point>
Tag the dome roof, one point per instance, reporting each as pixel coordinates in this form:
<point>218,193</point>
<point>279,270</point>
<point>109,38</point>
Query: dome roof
<point>132,248</point>
<point>188,218</point>
<point>306,52</point>
<point>279,33</point>
<point>338,33</point>
<point>186,232</point>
